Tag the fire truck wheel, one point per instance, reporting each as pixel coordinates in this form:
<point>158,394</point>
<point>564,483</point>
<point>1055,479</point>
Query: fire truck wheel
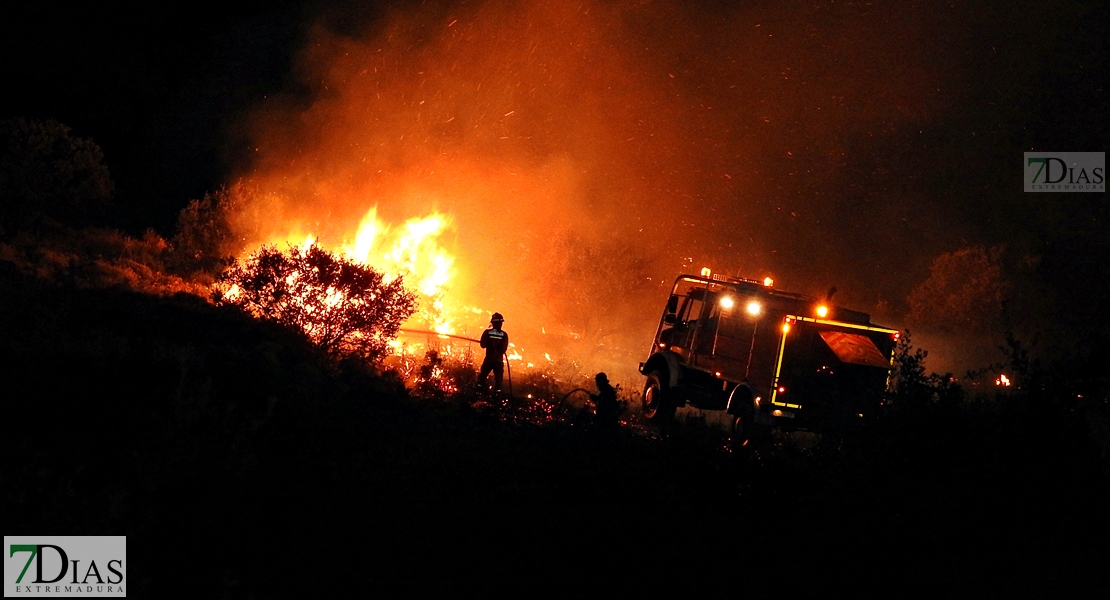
<point>747,433</point>
<point>742,427</point>
<point>657,406</point>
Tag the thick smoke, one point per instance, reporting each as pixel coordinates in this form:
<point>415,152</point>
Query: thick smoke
<point>649,137</point>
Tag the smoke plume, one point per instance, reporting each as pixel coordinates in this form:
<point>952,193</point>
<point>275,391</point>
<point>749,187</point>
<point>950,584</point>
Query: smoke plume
<point>647,137</point>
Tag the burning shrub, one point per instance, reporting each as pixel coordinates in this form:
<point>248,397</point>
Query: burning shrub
<point>345,308</point>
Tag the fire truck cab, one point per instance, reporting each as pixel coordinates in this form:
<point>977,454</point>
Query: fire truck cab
<point>765,358</point>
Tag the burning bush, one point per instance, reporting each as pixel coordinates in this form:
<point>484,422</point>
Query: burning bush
<point>345,308</point>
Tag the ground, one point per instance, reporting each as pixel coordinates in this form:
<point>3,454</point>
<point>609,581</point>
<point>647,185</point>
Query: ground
<point>239,463</point>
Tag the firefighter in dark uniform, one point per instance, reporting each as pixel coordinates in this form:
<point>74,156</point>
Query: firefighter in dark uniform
<point>496,343</point>
<point>607,408</point>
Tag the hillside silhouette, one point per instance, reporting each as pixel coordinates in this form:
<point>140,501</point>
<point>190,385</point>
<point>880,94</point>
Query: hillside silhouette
<point>242,462</point>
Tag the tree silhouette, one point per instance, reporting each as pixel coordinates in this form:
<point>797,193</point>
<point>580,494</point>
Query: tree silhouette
<point>343,307</point>
<point>47,173</point>
<point>911,389</point>
<point>964,293</point>
<point>204,235</point>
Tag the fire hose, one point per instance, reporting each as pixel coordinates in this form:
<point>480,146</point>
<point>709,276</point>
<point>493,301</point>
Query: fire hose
<point>505,357</point>
<point>566,410</point>
<point>573,391</point>
<point>436,333</point>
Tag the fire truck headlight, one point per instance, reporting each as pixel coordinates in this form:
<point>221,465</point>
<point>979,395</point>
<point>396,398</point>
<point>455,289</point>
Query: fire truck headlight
<point>754,308</point>
<point>727,302</point>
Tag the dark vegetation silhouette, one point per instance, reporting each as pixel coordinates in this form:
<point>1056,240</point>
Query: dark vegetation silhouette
<point>203,238</point>
<point>48,174</point>
<point>246,459</point>
<point>965,292</point>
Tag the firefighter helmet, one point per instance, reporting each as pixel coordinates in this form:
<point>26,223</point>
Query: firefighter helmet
<point>497,318</point>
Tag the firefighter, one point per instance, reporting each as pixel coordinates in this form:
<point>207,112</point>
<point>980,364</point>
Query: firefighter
<point>606,407</point>
<point>496,343</point>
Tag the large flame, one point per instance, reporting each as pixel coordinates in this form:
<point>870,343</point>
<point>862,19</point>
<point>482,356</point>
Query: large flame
<point>411,251</point>
<point>556,161</point>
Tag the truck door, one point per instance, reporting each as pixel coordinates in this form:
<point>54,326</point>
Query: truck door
<point>679,328</point>
<point>739,340</point>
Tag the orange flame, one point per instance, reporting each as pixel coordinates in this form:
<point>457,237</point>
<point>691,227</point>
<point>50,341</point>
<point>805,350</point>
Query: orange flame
<point>411,251</point>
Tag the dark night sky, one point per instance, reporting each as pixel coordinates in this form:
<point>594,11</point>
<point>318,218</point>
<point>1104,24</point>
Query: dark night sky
<point>153,86</point>
<point>156,87</point>
<point>936,100</point>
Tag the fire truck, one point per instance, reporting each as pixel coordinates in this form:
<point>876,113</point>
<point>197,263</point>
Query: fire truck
<point>764,359</point>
